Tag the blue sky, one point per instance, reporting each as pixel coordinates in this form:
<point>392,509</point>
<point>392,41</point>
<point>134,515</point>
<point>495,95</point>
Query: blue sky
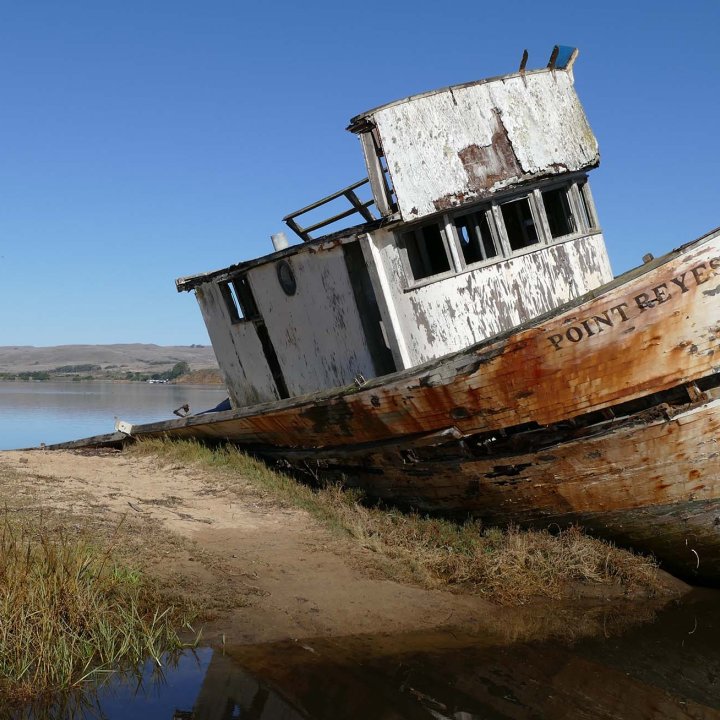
<point>143,141</point>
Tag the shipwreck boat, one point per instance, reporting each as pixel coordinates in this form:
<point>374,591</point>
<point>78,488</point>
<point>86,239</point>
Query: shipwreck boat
<point>466,349</point>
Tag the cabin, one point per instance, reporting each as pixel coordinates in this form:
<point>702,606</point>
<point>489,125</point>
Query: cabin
<point>476,216</point>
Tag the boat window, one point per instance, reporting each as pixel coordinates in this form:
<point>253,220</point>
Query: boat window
<point>476,240</point>
<point>519,224</point>
<point>286,277</point>
<point>426,251</point>
<point>231,302</point>
<point>243,295</point>
<point>586,205</point>
<point>558,212</point>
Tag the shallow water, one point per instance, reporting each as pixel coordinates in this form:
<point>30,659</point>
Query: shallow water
<point>48,412</point>
<point>599,662</point>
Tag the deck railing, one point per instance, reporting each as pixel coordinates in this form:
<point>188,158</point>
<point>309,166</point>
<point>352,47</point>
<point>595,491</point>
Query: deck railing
<point>356,206</point>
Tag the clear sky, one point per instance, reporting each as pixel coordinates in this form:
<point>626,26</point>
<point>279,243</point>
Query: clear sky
<point>146,140</point>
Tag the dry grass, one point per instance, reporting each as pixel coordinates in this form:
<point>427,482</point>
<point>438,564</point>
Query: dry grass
<point>70,614</point>
<point>508,566</point>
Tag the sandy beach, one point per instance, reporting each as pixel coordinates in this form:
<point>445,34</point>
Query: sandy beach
<point>260,571</point>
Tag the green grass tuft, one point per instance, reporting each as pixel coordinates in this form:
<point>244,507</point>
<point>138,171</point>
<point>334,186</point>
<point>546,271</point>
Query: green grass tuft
<point>70,614</point>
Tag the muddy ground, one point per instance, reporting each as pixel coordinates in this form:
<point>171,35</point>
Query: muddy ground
<point>259,571</point>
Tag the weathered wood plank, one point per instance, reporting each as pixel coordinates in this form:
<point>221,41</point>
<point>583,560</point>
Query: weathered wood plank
<point>108,440</point>
<point>654,486</point>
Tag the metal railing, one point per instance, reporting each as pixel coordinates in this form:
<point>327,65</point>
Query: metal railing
<point>357,206</point>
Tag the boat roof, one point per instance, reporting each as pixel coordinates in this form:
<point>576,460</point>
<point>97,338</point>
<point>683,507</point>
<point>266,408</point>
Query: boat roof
<point>327,242</point>
<point>563,60</point>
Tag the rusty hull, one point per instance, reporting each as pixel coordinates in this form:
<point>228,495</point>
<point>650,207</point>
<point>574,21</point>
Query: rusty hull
<point>651,330</point>
<point>588,415</point>
<point>647,481</point>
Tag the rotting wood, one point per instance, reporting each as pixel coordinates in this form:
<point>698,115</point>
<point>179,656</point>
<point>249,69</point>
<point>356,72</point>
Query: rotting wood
<point>423,137</point>
<point>557,367</point>
<point>654,486</point>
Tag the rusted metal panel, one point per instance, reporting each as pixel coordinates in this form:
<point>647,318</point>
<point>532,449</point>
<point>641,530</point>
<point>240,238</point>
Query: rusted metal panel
<point>641,334</point>
<point>461,144</point>
<point>317,332</point>
<point>239,352</point>
<point>456,312</point>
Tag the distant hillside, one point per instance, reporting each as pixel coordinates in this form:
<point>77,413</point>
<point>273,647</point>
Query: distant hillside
<point>207,376</point>
<point>102,361</point>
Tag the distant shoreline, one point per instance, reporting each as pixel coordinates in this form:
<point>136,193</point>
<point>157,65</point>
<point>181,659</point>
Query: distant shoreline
<point>107,362</point>
<point>178,374</point>
<point>114,381</point>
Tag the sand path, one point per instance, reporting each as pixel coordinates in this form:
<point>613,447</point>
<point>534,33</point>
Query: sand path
<point>265,572</point>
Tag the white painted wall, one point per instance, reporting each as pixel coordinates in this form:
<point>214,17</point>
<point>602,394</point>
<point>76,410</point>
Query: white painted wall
<point>447,315</point>
<point>461,144</point>
<point>317,333</point>
<point>238,351</point>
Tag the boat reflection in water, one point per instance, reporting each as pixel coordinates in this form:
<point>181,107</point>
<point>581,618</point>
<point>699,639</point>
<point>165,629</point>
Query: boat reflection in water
<point>668,668</point>
<point>614,660</point>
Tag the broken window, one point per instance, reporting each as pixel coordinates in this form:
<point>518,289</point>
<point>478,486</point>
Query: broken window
<point>244,296</point>
<point>558,212</point>
<point>426,251</point>
<point>234,308</point>
<point>476,240</point>
<point>586,205</point>
<point>519,224</point>
<point>239,299</point>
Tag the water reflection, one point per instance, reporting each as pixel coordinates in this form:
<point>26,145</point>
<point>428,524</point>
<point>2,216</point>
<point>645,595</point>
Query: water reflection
<point>669,668</point>
<point>50,412</point>
<point>605,664</point>
<point>149,693</point>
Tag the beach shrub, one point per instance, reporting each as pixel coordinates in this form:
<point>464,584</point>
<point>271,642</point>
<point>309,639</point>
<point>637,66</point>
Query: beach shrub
<point>70,614</point>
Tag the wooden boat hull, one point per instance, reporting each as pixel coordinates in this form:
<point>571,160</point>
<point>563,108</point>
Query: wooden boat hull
<point>524,427</point>
<point>643,334</point>
<point>649,483</point>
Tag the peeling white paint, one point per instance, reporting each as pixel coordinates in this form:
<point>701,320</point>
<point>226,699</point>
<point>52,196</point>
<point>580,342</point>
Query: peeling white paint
<point>444,149</point>
<point>317,333</point>
<point>461,144</point>
<point>452,313</point>
<point>238,350</point>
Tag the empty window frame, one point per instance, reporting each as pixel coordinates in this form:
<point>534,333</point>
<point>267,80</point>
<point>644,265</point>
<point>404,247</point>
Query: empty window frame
<point>586,206</point>
<point>245,297</point>
<point>426,250</point>
<point>239,299</point>
<point>519,223</point>
<point>475,237</point>
<point>558,211</point>
<point>231,302</point>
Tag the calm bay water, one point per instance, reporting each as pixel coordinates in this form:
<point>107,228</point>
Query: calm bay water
<point>49,412</point>
<point>598,662</point>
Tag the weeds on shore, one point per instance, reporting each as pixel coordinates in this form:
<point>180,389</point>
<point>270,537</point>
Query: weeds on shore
<point>508,566</point>
<point>69,614</point>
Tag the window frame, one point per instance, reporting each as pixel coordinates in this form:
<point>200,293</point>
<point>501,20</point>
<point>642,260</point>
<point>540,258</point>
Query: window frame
<point>232,305</point>
<point>582,196</point>
<point>486,210</point>
<point>453,269</point>
<point>577,188</point>
<point>538,218</point>
<point>571,206</point>
<point>239,300</point>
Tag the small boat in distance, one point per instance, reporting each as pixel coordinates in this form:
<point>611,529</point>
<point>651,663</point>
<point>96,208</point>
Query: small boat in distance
<point>466,349</point>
